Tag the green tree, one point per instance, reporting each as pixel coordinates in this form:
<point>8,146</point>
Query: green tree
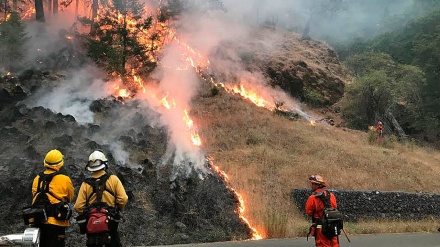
<point>417,44</point>
<point>13,38</point>
<point>382,87</point>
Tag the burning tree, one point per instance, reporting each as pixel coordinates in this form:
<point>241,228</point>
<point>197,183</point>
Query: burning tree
<point>121,39</point>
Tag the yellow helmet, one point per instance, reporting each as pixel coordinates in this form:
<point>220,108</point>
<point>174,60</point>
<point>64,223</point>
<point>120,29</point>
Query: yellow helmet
<point>53,158</point>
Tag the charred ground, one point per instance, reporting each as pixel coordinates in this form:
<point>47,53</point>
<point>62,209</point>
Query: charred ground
<point>160,210</point>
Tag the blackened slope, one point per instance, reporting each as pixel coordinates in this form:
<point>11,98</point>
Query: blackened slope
<point>160,211</point>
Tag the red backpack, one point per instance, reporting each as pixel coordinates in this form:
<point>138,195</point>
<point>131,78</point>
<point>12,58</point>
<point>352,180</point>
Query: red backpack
<point>98,212</point>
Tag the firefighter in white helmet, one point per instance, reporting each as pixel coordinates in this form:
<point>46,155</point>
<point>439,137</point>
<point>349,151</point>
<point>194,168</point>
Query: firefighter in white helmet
<point>112,194</point>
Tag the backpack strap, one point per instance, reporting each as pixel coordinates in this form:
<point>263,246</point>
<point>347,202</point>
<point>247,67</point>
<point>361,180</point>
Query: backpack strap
<point>43,184</point>
<point>325,197</point>
<point>98,185</point>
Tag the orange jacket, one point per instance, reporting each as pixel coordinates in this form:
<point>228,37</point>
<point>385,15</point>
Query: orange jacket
<point>113,184</point>
<point>61,186</point>
<point>379,127</point>
<point>315,206</point>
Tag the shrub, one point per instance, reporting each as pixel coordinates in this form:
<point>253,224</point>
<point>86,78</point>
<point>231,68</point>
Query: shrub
<point>314,98</point>
<point>215,91</point>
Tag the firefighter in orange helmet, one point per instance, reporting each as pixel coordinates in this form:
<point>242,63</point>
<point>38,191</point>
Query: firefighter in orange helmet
<point>315,209</point>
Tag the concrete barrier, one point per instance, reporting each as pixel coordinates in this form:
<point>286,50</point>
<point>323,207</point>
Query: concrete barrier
<point>357,205</point>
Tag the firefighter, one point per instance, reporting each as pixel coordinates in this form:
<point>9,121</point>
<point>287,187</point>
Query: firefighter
<point>379,129</point>
<point>315,208</point>
<point>53,232</point>
<point>114,194</point>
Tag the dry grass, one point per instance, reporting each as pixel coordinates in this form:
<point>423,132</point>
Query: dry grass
<point>266,156</point>
<point>394,226</point>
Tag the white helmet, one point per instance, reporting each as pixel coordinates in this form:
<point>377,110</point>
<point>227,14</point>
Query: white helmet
<point>97,161</point>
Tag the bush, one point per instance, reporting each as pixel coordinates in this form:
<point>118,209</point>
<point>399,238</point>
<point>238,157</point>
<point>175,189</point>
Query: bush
<point>314,98</point>
<point>215,91</point>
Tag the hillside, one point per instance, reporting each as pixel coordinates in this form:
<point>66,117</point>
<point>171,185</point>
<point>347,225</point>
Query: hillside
<point>266,156</point>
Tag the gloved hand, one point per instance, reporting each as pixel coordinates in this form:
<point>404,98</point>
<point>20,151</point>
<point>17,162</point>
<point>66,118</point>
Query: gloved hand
<point>312,229</point>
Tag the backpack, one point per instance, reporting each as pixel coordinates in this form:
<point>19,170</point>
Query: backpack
<point>99,218</point>
<point>332,220</point>
<point>41,207</point>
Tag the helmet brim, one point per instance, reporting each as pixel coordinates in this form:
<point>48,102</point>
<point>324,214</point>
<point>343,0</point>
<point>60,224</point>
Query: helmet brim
<point>97,168</point>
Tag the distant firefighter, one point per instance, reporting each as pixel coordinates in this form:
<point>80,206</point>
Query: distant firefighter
<point>379,129</point>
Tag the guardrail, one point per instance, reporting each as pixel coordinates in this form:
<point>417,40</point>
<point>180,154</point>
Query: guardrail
<point>30,237</point>
<point>357,205</point>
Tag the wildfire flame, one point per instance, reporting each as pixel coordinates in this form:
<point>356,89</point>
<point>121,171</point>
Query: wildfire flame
<point>193,59</point>
<point>241,208</point>
<point>195,138</point>
<point>252,96</point>
<point>120,92</point>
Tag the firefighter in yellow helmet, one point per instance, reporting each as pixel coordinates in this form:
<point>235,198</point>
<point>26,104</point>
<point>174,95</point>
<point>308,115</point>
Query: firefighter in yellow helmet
<point>112,194</point>
<point>53,190</point>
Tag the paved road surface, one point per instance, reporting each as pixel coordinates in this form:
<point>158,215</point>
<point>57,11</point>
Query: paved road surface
<point>382,240</point>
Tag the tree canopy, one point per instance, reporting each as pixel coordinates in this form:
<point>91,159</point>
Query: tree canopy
<point>383,88</point>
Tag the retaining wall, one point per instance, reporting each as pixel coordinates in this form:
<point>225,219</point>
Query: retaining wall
<point>357,205</point>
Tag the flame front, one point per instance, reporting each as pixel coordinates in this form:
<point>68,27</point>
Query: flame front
<point>120,92</point>
<point>241,205</point>
<point>128,87</point>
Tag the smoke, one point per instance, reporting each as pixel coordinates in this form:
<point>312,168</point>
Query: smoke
<point>341,23</point>
<point>178,84</point>
<point>47,38</point>
<point>72,95</point>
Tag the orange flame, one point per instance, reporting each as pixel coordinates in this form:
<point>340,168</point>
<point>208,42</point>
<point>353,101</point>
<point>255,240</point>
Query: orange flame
<point>120,92</point>
<point>166,104</point>
<point>252,96</point>
<point>197,61</point>
<point>241,205</point>
<point>195,138</point>
<point>28,14</point>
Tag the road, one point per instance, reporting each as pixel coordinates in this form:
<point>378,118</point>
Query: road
<point>382,240</point>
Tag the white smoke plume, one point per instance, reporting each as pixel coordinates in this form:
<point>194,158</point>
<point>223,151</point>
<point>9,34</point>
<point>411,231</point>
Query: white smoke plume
<point>178,84</point>
<point>72,95</point>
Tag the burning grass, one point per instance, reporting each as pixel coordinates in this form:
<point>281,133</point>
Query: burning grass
<point>266,156</point>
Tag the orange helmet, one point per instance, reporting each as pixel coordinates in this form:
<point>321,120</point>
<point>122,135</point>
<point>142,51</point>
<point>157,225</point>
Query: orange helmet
<point>317,179</point>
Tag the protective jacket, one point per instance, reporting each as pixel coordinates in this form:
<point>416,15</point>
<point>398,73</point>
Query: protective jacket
<point>315,208</point>
<point>61,186</point>
<point>113,185</point>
